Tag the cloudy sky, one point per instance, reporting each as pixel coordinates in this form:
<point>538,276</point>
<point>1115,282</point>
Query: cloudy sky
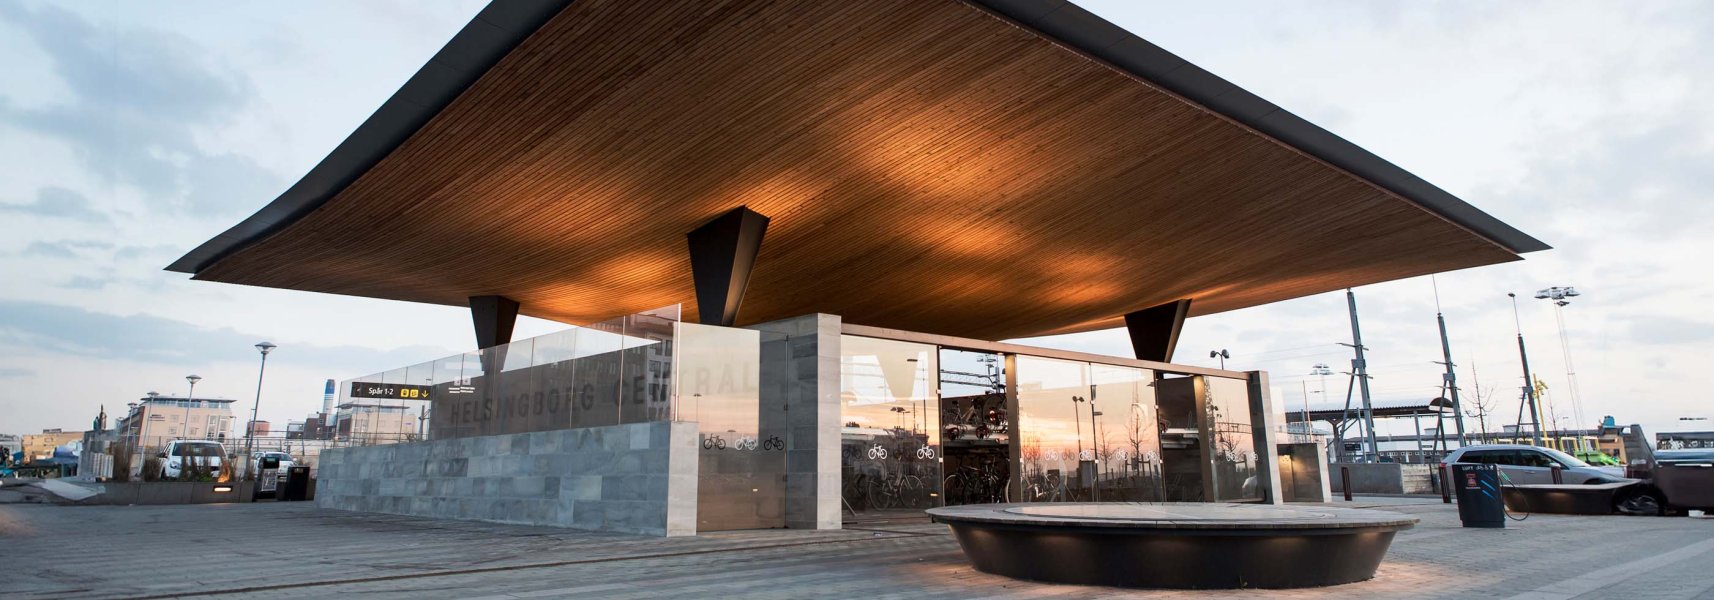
<point>131,132</point>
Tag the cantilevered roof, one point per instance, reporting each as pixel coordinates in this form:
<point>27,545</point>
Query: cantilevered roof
<point>982,168</point>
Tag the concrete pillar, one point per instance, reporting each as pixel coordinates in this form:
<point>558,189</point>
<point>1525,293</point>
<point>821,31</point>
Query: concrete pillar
<point>1266,425</point>
<point>800,386</point>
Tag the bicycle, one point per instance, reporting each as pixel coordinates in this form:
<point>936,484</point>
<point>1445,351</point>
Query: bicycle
<point>714,442</point>
<point>773,443</point>
<point>1046,488</point>
<point>925,453</point>
<point>976,485</point>
<point>745,443</point>
<point>897,491</point>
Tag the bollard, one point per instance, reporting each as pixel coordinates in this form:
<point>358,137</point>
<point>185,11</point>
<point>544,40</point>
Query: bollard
<point>1558,476</point>
<point>1345,481</point>
<point>1445,486</point>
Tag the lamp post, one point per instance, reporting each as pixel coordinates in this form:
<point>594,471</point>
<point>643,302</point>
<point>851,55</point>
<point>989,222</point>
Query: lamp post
<point>1077,421</point>
<point>250,430</point>
<point>143,431</point>
<point>1221,354</point>
<point>1559,296</point>
<point>190,399</point>
<point>915,366</point>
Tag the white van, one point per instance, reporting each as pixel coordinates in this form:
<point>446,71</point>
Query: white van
<point>192,455</point>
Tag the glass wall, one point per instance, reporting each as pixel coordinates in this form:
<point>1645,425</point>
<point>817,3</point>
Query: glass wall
<point>1089,432</point>
<point>1127,429</point>
<point>975,428</point>
<point>1231,452</point>
<point>1055,425</point>
<point>608,373</point>
<point>890,414</point>
<point>741,463</point>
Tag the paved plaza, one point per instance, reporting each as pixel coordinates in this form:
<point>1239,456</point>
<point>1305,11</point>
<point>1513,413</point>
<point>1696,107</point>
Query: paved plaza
<point>298,551</point>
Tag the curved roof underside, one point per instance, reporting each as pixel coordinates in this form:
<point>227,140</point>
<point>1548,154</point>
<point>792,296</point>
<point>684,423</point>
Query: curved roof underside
<point>988,169</point>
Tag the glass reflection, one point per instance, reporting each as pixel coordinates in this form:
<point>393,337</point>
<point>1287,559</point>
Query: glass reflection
<point>741,459</point>
<point>890,451</point>
<point>1181,468</point>
<point>1056,423</point>
<point>1127,430</point>
<point>1231,452</point>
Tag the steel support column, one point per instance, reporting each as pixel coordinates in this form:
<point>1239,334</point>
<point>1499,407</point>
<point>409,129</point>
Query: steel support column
<point>1154,331</point>
<point>722,254</point>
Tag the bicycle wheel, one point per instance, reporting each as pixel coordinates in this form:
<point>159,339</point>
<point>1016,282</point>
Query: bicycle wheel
<point>952,490</point>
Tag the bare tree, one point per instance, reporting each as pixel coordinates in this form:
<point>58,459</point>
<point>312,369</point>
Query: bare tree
<point>1483,405</point>
<point>1105,445</point>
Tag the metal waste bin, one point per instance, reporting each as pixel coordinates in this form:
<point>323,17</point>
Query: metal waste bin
<point>296,487</point>
<point>1479,501</point>
<point>267,477</point>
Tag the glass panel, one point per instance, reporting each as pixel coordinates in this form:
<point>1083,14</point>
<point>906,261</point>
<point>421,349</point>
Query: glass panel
<point>740,479</point>
<point>890,450</point>
<point>1055,422</point>
<point>597,372</point>
<point>573,378</point>
<point>1232,446</point>
<point>1127,427</point>
<point>975,428</point>
<point>1181,465</point>
<point>647,368</point>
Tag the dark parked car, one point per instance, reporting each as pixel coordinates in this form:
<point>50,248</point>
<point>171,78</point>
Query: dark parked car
<point>1671,479</point>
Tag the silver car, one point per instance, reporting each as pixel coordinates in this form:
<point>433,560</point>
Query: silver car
<point>1525,465</point>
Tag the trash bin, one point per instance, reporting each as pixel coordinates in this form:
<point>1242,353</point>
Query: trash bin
<point>1479,502</point>
<point>267,477</point>
<point>297,484</point>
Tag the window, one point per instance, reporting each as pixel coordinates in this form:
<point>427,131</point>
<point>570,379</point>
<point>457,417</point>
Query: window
<point>204,450</point>
<point>1490,457</point>
<point>1532,458</point>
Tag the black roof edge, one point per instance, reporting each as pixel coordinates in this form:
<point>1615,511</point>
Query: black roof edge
<point>504,24</point>
<point>1080,29</point>
<point>486,39</point>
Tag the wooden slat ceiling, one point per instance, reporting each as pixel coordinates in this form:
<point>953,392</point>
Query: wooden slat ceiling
<point>927,166</point>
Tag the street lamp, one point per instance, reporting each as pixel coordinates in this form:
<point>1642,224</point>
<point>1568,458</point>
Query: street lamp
<point>1221,354</point>
<point>143,429</point>
<point>915,366</point>
<point>1559,296</point>
<point>1077,421</point>
<point>189,400</point>
<point>250,429</point>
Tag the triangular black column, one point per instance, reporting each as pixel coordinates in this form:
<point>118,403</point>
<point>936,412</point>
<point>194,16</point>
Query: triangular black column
<point>722,254</point>
<point>1154,331</point>
<point>494,317</point>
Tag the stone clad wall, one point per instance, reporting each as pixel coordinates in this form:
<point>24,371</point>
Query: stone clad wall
<point>800,386</point>
<point>637,478</point>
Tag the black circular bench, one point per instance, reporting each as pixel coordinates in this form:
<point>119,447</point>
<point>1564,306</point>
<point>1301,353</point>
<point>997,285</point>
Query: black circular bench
<point>1174,545</point>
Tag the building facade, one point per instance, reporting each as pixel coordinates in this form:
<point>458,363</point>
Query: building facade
<point>152,421</point>
<point>367,423</point>
<point>40,446</point>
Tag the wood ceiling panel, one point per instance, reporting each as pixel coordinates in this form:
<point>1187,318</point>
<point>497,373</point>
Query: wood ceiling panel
<point>927,166</point>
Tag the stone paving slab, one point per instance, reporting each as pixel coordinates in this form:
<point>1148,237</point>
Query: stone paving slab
<point>297,551</point>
